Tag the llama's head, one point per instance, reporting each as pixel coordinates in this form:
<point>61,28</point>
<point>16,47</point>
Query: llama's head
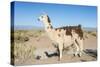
<point>44,18</point>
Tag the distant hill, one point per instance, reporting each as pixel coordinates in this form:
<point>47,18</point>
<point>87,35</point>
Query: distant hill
<point>89,29</point>
<point>27,28</point>
<point>41,28</point>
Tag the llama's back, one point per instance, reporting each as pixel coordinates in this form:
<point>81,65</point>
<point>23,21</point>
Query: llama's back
<point>68,30</point>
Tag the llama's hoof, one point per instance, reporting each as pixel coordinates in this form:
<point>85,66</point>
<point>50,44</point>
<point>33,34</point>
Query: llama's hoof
<point>80,54</point>
<point>75,54</point>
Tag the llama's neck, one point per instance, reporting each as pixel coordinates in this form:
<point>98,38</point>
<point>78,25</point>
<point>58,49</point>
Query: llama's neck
<point>48,26</point>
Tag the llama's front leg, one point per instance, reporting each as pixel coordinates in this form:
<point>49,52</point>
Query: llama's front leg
<point>77,48</point>
<point>60,51</point>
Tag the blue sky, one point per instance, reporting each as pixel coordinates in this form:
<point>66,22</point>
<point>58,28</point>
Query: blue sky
<point>26,14</point>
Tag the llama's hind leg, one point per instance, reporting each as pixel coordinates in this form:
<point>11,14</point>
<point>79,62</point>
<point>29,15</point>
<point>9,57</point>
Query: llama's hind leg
<point>80,47</point>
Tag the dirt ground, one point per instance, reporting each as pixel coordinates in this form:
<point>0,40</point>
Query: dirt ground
<point>43,42</point>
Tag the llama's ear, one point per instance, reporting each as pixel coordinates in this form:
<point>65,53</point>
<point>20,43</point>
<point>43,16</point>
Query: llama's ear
<point>48,19</point>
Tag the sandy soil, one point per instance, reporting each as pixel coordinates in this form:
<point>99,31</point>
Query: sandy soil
<point>43,42</point>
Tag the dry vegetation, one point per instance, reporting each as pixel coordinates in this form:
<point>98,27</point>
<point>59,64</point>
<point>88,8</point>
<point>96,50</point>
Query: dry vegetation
<point>24,35</point>
<point>90,33</point>
<point>21,51</point>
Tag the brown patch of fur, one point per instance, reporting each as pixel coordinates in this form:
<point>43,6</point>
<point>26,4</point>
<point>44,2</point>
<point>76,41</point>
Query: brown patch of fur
<point>56,29</point>
<point>78,30</point>
<point>59,35</point>
<point>59,30</point>
<point>69,29</point>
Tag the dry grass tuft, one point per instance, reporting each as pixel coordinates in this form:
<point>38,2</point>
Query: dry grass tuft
<point>90,33</point>
<point>20,50</point>
<point>23,52</point>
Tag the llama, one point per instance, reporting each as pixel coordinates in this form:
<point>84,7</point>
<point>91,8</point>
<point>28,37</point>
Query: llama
<point>64,36</point>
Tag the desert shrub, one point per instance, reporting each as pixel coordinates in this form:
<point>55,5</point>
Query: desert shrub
<point>20,36</point>
<point>24,35</point>
<point>94,34</point>
<point>22,52</point>
<point>37,33</point>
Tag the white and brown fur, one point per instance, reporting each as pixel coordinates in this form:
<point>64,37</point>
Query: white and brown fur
<point>64,36</point>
